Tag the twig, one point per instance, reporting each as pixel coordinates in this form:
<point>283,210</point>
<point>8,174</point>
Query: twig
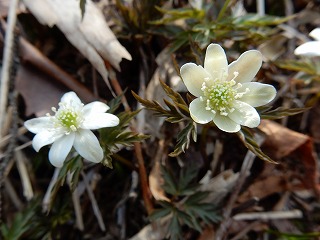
<point>7,60</point>
<point>269,215</point>
<point>244,231</point>
<point>25,178</point>
<point>76,205</point>
<point>94,204</point>
<point>47,197</point>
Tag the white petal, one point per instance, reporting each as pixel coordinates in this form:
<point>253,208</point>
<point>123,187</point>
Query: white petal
<point>45,138</point>
<point>39,124</point>
<point>245,115</point>
<point>315,33</point>
<point>247,66</point>
<point>198,112</point>
<point>94,108</point>
<point>60,149</point>
<point>226,124</point>
<point>308,49</point>
<point>193,76</point>
<point>88,146</point>
<point>70,97</point>
<point>215,62</point>
<point>259,94</point>
<point>100,120</point>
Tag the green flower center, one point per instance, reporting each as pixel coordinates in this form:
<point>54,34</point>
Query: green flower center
<point>219,96</point>
<point>68,116</point>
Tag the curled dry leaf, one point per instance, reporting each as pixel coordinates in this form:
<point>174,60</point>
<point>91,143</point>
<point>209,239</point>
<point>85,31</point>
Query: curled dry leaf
<point>90,35</point>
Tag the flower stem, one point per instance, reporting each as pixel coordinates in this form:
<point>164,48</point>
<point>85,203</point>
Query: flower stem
<point>223,10</point>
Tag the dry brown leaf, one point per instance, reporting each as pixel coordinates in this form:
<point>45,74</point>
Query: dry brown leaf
<point>281,142</point>
<point>155,178</point>
<point>207,233</point>
<point>39,91</point>
<point>90,35</point>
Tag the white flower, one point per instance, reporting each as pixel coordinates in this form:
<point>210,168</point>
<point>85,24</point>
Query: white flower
<point>70,126</point>
<point>225,94</point>
<point>312,48</point>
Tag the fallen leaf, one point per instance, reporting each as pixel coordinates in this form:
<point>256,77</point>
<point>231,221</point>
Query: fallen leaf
<point>90,35</point>
<point>39,91</point>
<point>155,178</point>
<point>282,142</point>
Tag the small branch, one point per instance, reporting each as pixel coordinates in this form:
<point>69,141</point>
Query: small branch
<point>269,215</point>
<point>46,202</point>
<point>94,203</point>
<point>7,60</point>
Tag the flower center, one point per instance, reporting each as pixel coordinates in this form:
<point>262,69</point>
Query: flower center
<point>220,95</point>
<point>69,116</point>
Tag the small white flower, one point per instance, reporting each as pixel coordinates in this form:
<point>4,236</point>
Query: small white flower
<point>70,126</point>
<point>311,48</point>
<point>225,93</point>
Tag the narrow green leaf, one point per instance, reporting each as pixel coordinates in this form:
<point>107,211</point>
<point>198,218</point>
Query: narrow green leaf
<point>248,140</point>
<point>282,112</point>
<point>159,213</point>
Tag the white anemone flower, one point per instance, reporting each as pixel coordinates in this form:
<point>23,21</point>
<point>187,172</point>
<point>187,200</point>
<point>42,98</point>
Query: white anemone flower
<point>70,126</point>
<point>225,93</point>
<point>311,48</point>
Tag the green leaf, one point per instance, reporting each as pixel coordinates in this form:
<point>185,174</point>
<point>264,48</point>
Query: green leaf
<point>159,213</point>
<point>248,140</point>
<point>111,138</point>
<point>281,113</point>
<point>178,14</point>
<point>172,115</point>
<point>174,228</point>
<point>73,166</point>
<point>257,20</point>
<point>183,139</point>
<point>169,185</point>
<point>306,66</point>
<point>187,176</point>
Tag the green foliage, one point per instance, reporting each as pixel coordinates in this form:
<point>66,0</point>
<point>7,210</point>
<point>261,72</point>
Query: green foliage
<point>187,206</point>
<point>307,66</point>
<point>32,223</point>
<point>248,140</point>
<point>73,166</point>
<point>20,223</point>
<point>201,27</point>
<point>281,112</point>
<point>174,112</point>
<point>137,15</point>
<point>111,138</point>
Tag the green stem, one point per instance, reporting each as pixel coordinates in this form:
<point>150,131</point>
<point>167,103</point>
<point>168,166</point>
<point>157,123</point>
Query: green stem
<point>223,10</point>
